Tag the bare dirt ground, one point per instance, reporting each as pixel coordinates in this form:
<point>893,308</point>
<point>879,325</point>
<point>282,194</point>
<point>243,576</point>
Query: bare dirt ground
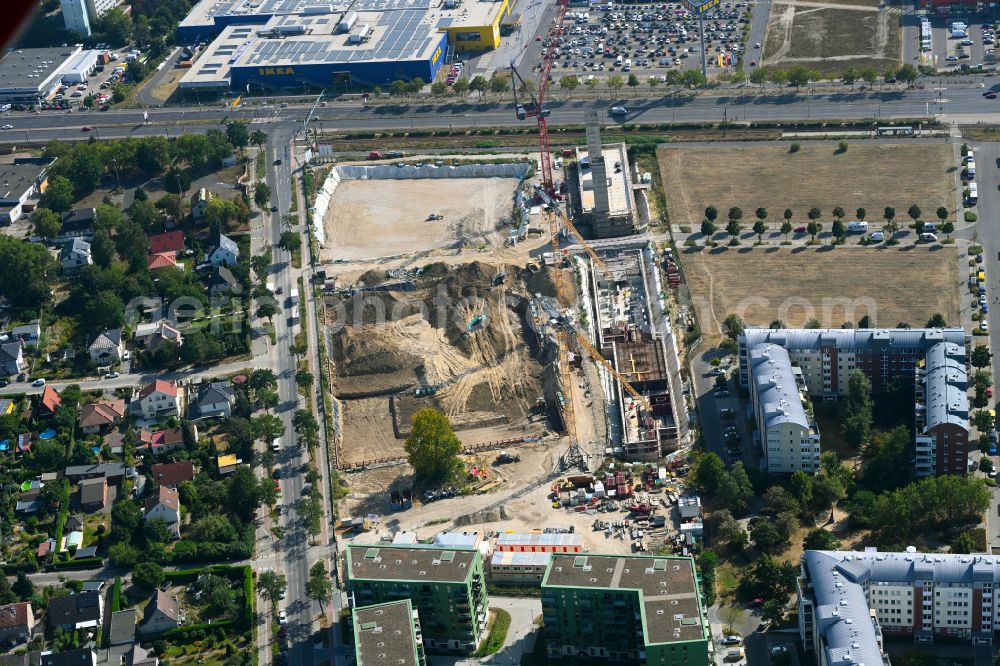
<point>376,218</point>
<point>891,285</point>
<point>487,380</point>
<point>832,36</point>
<point>750,176</point>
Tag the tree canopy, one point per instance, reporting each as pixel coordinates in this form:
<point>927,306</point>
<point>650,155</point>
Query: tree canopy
<point>432,447</point>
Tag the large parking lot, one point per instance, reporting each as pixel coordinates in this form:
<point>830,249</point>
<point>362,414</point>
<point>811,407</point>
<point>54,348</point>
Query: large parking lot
<point>648,40</point>
<point>975,49</point>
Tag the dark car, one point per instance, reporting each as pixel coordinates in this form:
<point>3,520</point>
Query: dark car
<point>274,209</point>
<point>277,161</point>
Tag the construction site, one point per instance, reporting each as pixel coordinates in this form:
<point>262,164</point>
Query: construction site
<point>469,289</point>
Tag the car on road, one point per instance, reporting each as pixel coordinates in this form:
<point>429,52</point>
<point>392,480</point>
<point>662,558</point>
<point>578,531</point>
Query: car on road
<point>282,617</point>
<point>4,383</point>
<point>731,640</point>
<point>722,393</point>
<point>111,375</point>
<point>715,372</point>
<point>8,127</point>
<point>39,382</point>
<point>756,45</point>
<point>779,649</point>
<point>277,161</point>
<point>979,258</point>
<point>990,95</point>
<point>986,308</point>
<point>86,128</point>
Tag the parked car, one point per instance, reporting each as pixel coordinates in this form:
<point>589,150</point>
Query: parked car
<point>282,617</point>
<point>111,375</point>
<point>39,382</point>
<point>984,326</point>
<point>799,230</point>
<point>731,640</point>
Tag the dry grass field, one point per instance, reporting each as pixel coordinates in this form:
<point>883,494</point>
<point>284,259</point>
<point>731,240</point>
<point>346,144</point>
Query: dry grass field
<point>891,285</point>
<point>832,36</point>
<point>769,176</point>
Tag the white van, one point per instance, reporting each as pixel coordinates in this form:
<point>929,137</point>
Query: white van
<point>971,168</point>
<point>276,444</point>
<point>618,111</point>
<point>857,227</point>
<point>618,60</point>
<point>928,238</point>
<point>627,67</point>
<point>973,193</point>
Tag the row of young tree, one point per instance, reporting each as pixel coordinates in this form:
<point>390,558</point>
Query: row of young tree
<point>800,75</point>
<point>734,224</point>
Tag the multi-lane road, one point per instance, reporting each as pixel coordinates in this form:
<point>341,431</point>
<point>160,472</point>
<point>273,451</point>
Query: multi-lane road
<point>957,102</point>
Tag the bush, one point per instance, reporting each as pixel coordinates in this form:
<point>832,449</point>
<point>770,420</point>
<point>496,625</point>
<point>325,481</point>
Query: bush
<point>82,563</point>
<point>794,148</point>
<point>970,216</point>
<point>498,634</point>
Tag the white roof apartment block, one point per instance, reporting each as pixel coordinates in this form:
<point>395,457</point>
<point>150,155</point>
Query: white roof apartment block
<point>775,384</point>
<point>852,338</point>
<point>946,385</point>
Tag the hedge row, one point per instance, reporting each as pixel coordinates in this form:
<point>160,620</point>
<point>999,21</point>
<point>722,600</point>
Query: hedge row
<point>116,595</point>
<point>179,632</point>
<point>63,513</point>
<point>82,563</point>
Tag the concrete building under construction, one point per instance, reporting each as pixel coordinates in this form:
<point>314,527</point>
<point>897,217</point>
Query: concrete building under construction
<point>634,334</point>
<point>606,191</point>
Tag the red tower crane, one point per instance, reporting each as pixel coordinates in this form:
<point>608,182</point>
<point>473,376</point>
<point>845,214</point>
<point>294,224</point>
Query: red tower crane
<point>535,108</point>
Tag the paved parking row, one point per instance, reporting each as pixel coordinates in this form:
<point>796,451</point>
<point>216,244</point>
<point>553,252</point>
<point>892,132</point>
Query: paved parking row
<point>976,49</point>
<point>645,40</point>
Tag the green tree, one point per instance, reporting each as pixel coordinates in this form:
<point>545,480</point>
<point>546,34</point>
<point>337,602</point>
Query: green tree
<point>937,321</point>
<point>711,213</point>
<point>907,74</point>
<point>439,89</point>
<point>889,214</point>
<point>478,84</point>
<point>244,496</point>
<point>148,574</point>
<point>290,241</point>
<point>271,585</point>
<point>569,83</point>
<point>760,229</point>
<point>23,587</point>
<point>777,76</point>
<point>258,138</point>
<point>432,447</point>
<point>758,77</point>
<point>267,427</point>
<point>800,75</point>
<point>26,271</point>
<point>238,135</point>
<point>59,194</point>
<point>707,229</point>
<point>731,616</point>
<point>980,356</point>
<point>861,213</point>
<point>773,612</point>
<point>733,228</point>
<point>261,194</point>
<point>615,82</point>
<point>733,326</point>
<point>115,26</point>
<point>948,228</point>
<point>869,75</point>
<point>914,212</point>
<point>786,228</point>
<point>813,228</point>
<point>820,539</point>
<point>633,81</point>
<point>708,472</point>
<point>47,223</point>
<point>461,86</point>
<point>858,413</point>
<point>319,587</point>
<point>851,76</point>
<point>838,229</point>
<point>304,379</point>
<point>499,84</point>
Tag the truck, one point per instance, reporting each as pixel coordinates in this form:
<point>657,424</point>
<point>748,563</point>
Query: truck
<point>736,654</point>
<point>857,227</point>
<point>294,299</point>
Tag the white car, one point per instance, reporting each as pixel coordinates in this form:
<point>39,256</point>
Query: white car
<point>282,617</point>
<point>111,375</point>
<point>41,380</point>
<point>983,326</point>
<point>877,237</point>
<point>731,640</point>
<point>8,127</point>
<point>779,649</point>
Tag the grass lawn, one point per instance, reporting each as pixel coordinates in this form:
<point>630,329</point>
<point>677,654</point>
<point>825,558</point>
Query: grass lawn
<point>498,626</point>
<point>726,583</point>
<point>749,177</point>
<point>891,285</point>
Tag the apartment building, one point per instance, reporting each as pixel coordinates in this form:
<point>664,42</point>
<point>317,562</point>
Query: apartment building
<point>941,417</point>
<point>624,608</point>
<point>81,15</point>
<point>848,601</point>
<point>446,585</point>
<point>933,360</point>
<point>388,634</point>
<point>788,433</point>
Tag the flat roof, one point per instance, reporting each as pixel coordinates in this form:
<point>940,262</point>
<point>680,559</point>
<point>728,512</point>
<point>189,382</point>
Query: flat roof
<point>32,69</point>
<point>15,179</point>
<point>384,634</point>
<point>417,562</point>
<point>395,36</point>
<point>539,539</point>
<point>619,196</point>
<point>510,558</point>
<point>206,13</point>
<point>668,591</point>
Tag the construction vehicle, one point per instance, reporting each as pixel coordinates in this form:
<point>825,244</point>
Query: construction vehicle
<point>434,216</point>
<point>506,458</point>
<point>534,106</point>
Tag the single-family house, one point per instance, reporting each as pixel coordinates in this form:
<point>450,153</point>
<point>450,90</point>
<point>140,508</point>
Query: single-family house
<point>171,241</point>
<point>78,222</point>
<point>122,627</point>
<point>161,441</point>
<point>79,657</point>
<point>115,441</point>
<point>29,502</point>
<point>76,611</point>
<point>74,523</point>
<point>153,335</point>
<point>28,334</point>
<point>75,254</point>
<point>224,252</point>
<point>107,347</point>
<point>17,624</point>
<point>158,400</point>
<point>113,472</point>
<point>93,495</point>
<point>164,504</point>
<point>101,416</point>
<point>48,403</point>
<point>199,202</point>
<point>222,281</point>
<point>12,358</point>
<point>22,180</point>
<point>227,463</point>
<point>213,400</point>
<point>162,260</point>
<point>163,612</point>
<point>172,475</point>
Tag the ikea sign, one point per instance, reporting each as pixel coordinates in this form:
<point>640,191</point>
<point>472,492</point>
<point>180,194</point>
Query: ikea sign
<point>700,7</point>
<point>276,71</point>
<point>437,54</point>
